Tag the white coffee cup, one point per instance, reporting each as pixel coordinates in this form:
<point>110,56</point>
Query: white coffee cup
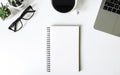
<point>65,6</point>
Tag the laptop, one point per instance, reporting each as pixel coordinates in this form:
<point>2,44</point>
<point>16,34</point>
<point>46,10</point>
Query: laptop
<point>108,18</point>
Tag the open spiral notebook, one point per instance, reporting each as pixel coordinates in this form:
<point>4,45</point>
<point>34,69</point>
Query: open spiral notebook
<point>63,49</point>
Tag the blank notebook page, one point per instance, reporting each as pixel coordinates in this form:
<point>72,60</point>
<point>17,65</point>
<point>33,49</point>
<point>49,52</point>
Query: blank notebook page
<point>64,49</point>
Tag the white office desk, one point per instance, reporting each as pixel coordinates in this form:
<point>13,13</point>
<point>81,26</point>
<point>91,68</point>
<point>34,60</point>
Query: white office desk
<point>24,53</point>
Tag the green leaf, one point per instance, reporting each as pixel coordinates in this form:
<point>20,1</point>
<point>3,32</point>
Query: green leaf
<point>4,11</point>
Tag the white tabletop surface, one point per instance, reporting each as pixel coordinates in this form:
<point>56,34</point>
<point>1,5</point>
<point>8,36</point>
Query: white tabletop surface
<point>23,52</point>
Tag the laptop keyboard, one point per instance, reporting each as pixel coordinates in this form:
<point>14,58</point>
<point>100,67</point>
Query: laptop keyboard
<point>112,6</point>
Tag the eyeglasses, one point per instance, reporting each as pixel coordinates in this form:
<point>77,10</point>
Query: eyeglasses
<point>26,15</point>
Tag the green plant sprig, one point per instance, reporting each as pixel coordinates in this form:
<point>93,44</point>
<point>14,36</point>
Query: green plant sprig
<point>4,11</point>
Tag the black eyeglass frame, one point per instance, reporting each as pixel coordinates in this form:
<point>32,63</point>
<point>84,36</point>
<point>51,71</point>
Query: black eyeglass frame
<point>14,24</point>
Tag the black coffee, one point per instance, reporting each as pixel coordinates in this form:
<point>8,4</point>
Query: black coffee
<point>63,5</point>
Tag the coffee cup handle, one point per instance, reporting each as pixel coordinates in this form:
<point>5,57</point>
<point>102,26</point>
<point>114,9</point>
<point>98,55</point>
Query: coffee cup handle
<point>77,11</point>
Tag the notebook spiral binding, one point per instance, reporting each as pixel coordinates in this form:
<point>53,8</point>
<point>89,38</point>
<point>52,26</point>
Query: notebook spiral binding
<point>48,50</point>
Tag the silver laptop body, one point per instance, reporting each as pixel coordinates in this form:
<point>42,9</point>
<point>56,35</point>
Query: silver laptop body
<point>108,19</point>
